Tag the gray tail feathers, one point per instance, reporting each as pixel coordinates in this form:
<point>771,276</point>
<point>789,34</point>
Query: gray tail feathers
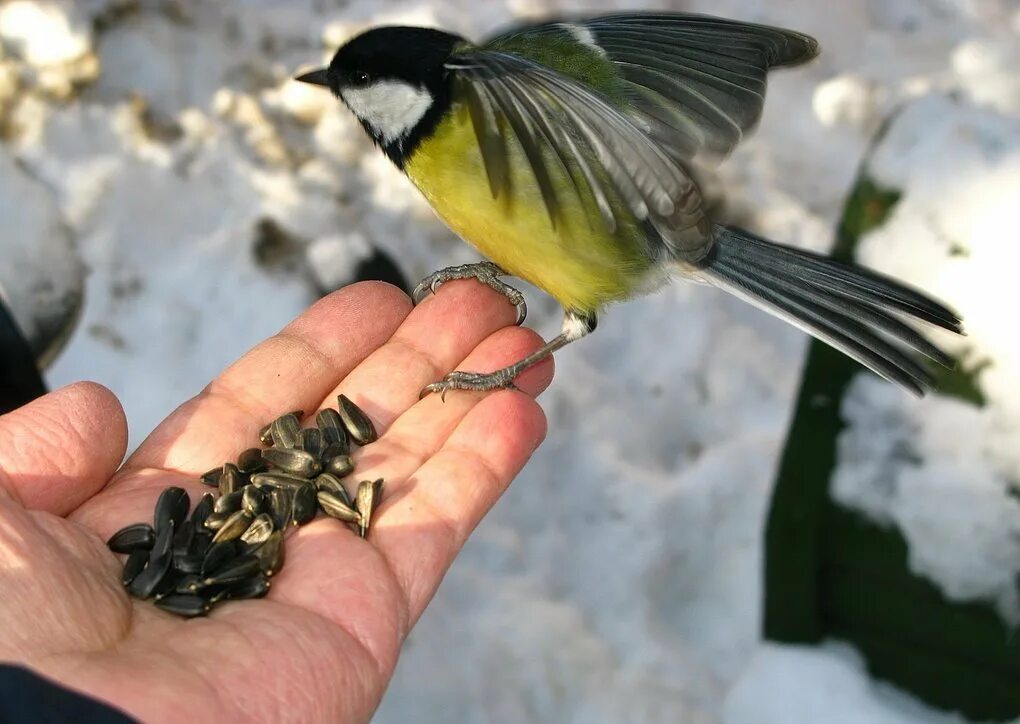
<point>859,312</point>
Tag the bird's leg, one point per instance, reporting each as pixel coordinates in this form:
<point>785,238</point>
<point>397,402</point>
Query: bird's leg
<point>486,272</point>
<point>575,325</point>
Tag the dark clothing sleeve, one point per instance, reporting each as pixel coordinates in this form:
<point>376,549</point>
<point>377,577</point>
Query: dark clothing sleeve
<point>26,698</point>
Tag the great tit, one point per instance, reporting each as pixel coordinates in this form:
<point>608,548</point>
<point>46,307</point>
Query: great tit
<point>566,152</point>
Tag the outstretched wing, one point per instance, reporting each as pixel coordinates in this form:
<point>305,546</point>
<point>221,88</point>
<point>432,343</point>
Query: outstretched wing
<point>697,81</point>
<point>565,129</point>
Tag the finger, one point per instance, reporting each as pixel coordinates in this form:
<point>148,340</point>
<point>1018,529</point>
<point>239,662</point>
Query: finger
<point>423,430</point>
<point>293,370</point>
<point>421,529</point>
<point>433,340</point>
<point>58,451</point>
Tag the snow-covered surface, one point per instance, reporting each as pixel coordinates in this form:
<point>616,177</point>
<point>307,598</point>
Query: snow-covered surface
<point>943,471</point>
<point>620,577</point>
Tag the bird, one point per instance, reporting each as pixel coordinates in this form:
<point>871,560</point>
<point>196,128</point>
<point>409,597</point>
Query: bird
<point>567,152</point>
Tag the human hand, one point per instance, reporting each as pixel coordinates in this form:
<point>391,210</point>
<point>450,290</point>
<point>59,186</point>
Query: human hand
<point>323,645</point>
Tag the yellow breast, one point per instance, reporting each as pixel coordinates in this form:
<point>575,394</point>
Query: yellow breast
<point>576,261</point>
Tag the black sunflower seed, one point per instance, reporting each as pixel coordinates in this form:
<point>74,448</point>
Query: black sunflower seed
<point>139,536</point>
<point>311,442</point>
<point>133,565</point>
<point>171,509</point>
<point>229,503</point>
<point>331,425</point>
<point>294,461</point>
<point>231,480</point>
<point>236,570</point>
<point>160,557</point>
<point>356,422</point>
<point>266,435</point>
<point>331,484</point>
<point>189,584</point>
<point>255,587</point>
<point>236,525</point>
<point>281,507</point>
<point>305,503</point>
<point>341,466</point>
<point>189,564</point>
<point>278,480</point>
<point>259,531</point>
<point>270,554</point>
<point>218,555</point>
<point>285,431</point>
<point>187,605</point>
<point>212,478</point>
<point>334,451</point>
<point>253,500</point>
<point>183,538</point>
<point>214,521</point>
<point>335,508</point>
<point>369,494</point>
<point>167,586</point>
<point>250,461</point>
<point>202,510</point>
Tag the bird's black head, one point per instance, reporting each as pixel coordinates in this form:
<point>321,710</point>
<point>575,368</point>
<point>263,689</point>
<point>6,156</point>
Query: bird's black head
<point>393,79</point>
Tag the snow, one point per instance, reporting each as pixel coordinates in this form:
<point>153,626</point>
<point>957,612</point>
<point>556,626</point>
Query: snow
<point>629,588</point>
<point>943,471</point>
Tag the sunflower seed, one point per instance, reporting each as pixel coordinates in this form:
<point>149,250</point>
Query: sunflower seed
<point>185,605</point>
<point>235,571</point>
<point>191,563</point>
<point>189,584</point>
<point>212,478</point>
<point>335,508</point>
<point>294,461</point>
<point>229,503</point>
<point>334,451</point>
<point>139,536</point>
<point>281,507</point>
<point>340,466</point>
<point>167,586</point>
<point>278,480</point>
<point>202,510</point>
<point>171,509</point>
<point>146,582</point>
<point>305,504</point>
<point>331,484</point>
<point>369,494</point>
<point>218,555</point>
<point>266,434</point>
<point>214,521</point>
<point>356,422</point>
<point>285,431</point>
<point>183,539</point>
<point>270,554</point>
<point>253,500</point>
<point>259,531</point>
<point>311,442</point>
<point>134,565</point>
<point>250,461</point>
<point>255,587</point>
<point>333,432</point>
<point>236,525</point>
<point>231,480</point>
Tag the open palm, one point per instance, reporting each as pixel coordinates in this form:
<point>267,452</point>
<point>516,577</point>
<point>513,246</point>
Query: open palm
<point>323,645</point>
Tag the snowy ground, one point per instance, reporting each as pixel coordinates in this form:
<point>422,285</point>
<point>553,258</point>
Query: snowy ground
<point>165,137</point>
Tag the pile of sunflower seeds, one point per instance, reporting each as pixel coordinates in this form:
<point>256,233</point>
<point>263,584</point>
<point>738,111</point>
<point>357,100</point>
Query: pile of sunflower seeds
<point>232,543</point>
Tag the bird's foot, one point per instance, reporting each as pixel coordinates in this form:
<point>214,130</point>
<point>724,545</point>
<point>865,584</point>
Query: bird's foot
<point>473,381</point>
<point>486,272</point>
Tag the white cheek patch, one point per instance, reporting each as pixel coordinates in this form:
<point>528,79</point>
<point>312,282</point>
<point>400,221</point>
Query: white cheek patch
<point>391,107</point>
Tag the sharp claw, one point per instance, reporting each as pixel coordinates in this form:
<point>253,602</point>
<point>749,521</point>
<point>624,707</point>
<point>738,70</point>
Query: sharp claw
<point>522,313</point>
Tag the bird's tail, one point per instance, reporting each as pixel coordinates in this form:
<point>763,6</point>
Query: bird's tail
<point>857,311</point>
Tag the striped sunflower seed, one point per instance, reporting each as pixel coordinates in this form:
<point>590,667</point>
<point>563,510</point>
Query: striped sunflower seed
<point>356,422</point>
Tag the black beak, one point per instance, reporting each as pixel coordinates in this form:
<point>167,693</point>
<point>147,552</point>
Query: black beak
<point>316,77</point>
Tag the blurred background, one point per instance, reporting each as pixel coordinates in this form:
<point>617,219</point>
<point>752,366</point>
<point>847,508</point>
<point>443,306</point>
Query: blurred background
<point>726,523</point>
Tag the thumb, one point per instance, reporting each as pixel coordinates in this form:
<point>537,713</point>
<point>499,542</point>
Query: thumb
<point>60,450</point>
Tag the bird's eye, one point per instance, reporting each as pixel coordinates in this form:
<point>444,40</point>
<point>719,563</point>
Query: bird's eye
<point>360,77</point>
